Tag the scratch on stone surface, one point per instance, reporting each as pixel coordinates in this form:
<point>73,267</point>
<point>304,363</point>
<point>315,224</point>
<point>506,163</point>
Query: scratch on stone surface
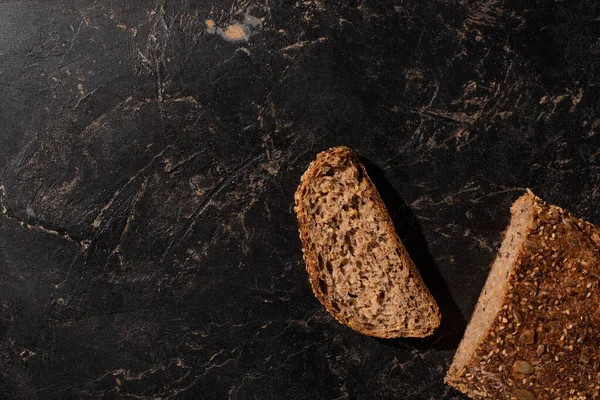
<point>456,117</point>
<point>108,204</point>
<point>247,234</point>
<point>218,335</point>
<point>426,201</point>
<point>444,234</point>
<point>131,376</point>
<point>479,241</point>
<point>90,94</point>
<point>484,245</point>
<point>117,249</point>
<point>82,244</point>
<point>66,187</point>
<point>156,46</point>
<point>235,388</point>
<point>207,367</point>
<point>208,200</point>
<point>67,65</point>
<point>507,190</point>
<point>302,44</point>
<point>187,99</point>
<point>183,389</point>
<point>434,96</point>
<point>487,106</point>
<point>402,365</point>
<point>2,208</point>
<point>173,169</point>
<point>75,34</point>
<point>96,122</point>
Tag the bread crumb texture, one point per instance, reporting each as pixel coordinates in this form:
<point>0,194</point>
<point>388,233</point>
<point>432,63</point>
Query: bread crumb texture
<point>542,340</point>
<point>357,266</point>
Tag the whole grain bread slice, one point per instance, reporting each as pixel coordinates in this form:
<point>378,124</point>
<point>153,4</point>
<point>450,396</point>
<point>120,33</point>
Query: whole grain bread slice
<point>357,266</point>
<point>535,331</point>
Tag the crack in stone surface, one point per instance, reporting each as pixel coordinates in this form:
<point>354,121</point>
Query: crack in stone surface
<point>83,244</point>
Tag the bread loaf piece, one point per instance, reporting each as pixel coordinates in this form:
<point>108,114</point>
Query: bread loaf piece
<point>535,331</point>
<point>357,265</point>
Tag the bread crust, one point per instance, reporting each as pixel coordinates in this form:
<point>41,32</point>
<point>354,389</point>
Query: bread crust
<point>545,341</point>
<point>310,256</point>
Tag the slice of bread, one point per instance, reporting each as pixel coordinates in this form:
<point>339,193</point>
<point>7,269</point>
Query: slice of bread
<point>358,268</point>
<point>535,332</point>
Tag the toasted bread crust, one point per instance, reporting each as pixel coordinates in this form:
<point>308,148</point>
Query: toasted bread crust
<point>310,256</point>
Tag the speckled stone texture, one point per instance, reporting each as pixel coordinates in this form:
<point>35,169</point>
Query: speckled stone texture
<point>150,150</point>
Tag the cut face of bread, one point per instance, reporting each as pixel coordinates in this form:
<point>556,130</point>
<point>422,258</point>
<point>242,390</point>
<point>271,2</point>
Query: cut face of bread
<point>358,268</point>
<point>535,331</point>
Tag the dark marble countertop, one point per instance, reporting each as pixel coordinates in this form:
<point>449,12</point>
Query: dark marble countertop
<point>149,152</point>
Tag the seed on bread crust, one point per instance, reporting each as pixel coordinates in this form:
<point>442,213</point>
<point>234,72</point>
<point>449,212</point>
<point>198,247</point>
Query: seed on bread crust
<point>523,394</point>
<point>540,350</point>
<point>523,367</point>
<point>527,337</point>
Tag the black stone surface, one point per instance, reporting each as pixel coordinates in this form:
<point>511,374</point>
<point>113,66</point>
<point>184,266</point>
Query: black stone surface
<point>149,152</point>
